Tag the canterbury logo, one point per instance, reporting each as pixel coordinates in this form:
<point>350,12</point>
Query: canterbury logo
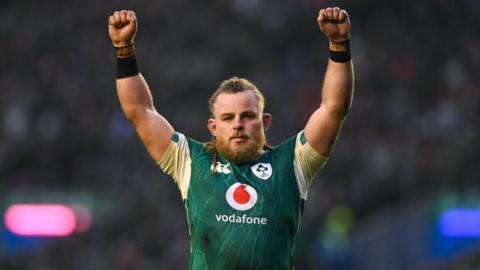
<point>221,168</point>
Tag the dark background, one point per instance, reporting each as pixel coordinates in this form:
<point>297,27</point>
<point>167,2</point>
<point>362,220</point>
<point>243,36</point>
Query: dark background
<point>408,151</point>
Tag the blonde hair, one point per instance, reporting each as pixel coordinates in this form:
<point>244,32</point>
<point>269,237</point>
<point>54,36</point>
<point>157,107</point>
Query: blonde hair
<point>235,85</point>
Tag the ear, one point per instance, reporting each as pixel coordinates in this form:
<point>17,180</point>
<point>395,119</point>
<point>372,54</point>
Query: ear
<point>212,126</point>
<point>267,120</point>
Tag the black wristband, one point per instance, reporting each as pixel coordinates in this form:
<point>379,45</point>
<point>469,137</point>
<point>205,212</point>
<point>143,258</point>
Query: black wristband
<point>340,51</point>
<point>127,67</point>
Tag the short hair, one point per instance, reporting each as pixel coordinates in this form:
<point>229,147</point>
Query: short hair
<point>235,85</point>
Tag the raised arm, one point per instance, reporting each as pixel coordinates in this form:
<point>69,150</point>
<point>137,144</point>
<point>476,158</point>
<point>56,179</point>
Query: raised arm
<point>325,123</point>
<point>133,92</point>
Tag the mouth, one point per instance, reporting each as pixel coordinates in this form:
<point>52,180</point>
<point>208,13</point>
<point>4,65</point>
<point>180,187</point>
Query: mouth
<point>239,138</point>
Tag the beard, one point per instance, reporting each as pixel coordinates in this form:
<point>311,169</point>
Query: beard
<point>243,153</point>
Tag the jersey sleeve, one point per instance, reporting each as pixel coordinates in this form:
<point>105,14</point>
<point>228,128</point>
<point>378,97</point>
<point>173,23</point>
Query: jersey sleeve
<point>307,162</point>
<point>177,162</point>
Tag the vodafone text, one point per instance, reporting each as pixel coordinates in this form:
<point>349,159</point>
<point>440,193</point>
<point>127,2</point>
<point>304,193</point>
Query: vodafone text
<point>241,219</point>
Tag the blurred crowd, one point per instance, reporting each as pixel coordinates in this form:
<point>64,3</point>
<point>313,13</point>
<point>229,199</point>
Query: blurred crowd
<point>411,132</point>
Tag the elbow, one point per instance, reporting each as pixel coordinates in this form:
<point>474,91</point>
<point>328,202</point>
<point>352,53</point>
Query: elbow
<point>339,106</point>
<point>131,118</point>
<point>134,114</point>
<point>342,113</point>
<point>347,106</point>
<point>339,110</point>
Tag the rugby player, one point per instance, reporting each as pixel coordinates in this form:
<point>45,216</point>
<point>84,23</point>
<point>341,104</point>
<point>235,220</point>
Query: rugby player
<point>243,199</point>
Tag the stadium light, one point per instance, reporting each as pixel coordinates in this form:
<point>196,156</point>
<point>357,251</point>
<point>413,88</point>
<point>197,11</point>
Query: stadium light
<point>51,220</point>
<point>460,222</point>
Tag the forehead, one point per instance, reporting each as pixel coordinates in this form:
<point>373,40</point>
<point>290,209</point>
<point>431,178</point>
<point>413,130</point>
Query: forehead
<point>236,103</point>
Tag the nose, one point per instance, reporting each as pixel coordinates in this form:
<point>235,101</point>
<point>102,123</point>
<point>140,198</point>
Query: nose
<point>238,124</point>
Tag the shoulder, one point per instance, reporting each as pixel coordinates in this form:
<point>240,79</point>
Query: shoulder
<point>194,146</point>
<point>183,146</point>
<point>296,147</point>
<point>290,143</point>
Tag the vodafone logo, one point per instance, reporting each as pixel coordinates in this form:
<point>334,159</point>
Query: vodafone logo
<point>241,196</point>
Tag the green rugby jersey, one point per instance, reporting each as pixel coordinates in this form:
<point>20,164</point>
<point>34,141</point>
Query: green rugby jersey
<point>246,216</point>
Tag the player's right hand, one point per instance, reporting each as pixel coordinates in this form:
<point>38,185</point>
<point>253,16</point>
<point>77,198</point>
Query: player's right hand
<point>122,27</point>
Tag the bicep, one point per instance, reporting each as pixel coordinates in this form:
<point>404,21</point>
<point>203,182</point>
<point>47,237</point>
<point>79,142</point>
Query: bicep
<point>155,133</point>
<point>323,128</point>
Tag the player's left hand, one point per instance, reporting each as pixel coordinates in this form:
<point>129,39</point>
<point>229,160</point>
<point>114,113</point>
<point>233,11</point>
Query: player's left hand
<point>334,23</point>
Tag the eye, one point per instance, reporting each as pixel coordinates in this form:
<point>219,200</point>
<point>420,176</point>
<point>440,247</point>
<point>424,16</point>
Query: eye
<point>250,115</point>
<point>227,118</point>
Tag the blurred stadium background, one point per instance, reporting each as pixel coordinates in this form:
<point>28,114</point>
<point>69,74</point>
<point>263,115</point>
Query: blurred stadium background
<point>400,192</point>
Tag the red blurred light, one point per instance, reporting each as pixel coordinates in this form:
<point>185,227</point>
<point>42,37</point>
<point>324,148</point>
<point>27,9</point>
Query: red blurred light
<point>40,220</point>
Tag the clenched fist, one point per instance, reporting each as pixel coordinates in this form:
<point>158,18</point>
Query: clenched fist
<point>122,27</point>
<point>334,23</point>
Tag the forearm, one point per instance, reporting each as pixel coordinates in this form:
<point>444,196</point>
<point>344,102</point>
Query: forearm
<point>338,87</point>
<point>135,97</point>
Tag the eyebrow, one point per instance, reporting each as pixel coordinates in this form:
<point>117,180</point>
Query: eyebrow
<point>226,114</point>
<point>241,114</point>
